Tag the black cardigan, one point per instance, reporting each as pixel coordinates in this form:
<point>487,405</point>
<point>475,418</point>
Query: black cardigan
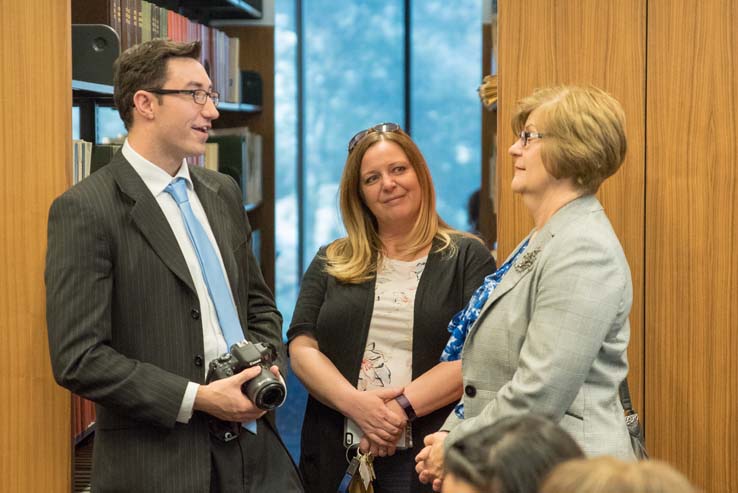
<point>338,315</point>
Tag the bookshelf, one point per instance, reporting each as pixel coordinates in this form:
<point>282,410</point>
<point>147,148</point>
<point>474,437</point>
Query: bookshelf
<point>256,54</point>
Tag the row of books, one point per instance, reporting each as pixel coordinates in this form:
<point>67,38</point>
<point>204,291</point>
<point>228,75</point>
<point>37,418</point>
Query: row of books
<point>83,416</point>
<point>137,21</point>
<point>88,158</point>
<point>240,156</point>
<point>234,151</point>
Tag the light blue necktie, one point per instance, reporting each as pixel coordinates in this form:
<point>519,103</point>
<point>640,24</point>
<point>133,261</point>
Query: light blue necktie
<point>215,279</point>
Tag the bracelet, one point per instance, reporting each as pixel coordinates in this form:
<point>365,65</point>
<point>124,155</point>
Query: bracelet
<point>407,407</point>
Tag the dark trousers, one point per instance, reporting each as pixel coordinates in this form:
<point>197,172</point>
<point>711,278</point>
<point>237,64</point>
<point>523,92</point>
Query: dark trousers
<point>395,474</point>
<point>253,464</point>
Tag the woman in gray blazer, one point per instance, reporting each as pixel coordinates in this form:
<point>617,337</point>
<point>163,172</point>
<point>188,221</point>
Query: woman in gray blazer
<point>548,332</point>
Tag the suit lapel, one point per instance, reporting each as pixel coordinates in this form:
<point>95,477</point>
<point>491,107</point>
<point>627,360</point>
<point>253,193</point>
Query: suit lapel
<point>217,213</point>
<point>525,263</point>
<point>521,267</point>
<point>150,220</point>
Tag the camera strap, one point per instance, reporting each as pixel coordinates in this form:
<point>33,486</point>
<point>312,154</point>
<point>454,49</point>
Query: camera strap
<point>223,430</point>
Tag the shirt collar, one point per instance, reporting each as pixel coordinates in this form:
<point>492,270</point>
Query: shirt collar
<point>155,178</point>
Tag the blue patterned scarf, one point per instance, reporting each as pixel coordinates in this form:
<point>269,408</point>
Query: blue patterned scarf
<point>463,321</point>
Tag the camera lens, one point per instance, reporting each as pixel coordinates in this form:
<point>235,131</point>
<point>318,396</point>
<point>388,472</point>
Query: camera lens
<point>270,397</point>
<point>265,390</point>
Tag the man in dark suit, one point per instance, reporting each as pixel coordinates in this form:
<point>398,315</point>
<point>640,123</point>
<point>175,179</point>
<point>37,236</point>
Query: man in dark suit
<point>132,324</point>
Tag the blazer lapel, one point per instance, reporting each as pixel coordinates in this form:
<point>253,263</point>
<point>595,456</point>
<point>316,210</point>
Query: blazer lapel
<point>217,213</point>
<point>526,262</point>
<point>522,266</point>
<point>150,220</point>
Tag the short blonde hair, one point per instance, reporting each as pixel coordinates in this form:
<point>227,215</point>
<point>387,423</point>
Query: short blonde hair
<point>610,475</point>
<point>584,132</point>
<point>354,258</point>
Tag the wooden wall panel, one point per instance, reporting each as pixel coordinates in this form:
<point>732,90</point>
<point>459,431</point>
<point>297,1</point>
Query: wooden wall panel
<point>35,152</point>
<point>692,238</point>
<point>544,42</point>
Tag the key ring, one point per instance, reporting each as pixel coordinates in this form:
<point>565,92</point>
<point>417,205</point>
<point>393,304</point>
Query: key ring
<point>350,448</point>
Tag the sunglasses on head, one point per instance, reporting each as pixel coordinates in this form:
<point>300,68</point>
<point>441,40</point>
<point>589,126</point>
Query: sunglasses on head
<point>381,128</point>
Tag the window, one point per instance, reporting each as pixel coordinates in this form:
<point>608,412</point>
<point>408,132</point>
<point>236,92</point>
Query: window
<point>446,115</point>
<point>354,77</point>
<point>342,67</point>
<point>110,127</point>
<point>75,122</point>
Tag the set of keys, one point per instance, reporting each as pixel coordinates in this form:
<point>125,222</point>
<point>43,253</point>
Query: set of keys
<point>361,464</point>
<point>366,470</point>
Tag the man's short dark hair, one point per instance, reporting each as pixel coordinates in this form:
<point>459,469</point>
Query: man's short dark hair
<point>145,66</point>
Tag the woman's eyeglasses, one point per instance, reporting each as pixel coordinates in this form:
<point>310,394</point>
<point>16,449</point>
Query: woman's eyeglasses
<point>526,136</point>
<point>381,128</point>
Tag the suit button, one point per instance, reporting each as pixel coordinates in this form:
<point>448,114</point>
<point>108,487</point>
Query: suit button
<point>195,313</point>
<point>198,360</point>
<point>470,390</point>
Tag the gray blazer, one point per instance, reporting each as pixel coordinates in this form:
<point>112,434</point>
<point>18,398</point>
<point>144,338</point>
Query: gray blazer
<point>552,337</point>
<point>125,330</point>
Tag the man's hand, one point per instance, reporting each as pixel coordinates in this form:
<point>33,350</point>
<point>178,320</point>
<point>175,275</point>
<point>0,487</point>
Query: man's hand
<point>380,425</point>
<point>429,462</point>
<point>224,399</point>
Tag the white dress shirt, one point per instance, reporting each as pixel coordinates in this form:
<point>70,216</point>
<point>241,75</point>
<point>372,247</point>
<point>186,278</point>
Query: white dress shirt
<point>156,180</point>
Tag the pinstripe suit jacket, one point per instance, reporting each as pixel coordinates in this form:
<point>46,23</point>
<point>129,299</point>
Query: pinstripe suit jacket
<point>552,337</point>
<point>124,325</point>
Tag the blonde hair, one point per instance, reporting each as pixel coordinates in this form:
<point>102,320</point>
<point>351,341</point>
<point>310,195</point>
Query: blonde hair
<point>610,475</point>
<point>584,132</point>
<point>354,258</point>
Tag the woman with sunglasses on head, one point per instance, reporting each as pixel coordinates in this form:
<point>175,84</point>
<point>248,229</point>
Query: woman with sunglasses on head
<point>548,332</point>
<point>370,321</point>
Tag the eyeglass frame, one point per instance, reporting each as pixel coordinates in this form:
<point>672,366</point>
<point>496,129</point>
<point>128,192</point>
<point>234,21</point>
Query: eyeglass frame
<point>380,128</point>
<point>213,95</point>
<point>525,136</point>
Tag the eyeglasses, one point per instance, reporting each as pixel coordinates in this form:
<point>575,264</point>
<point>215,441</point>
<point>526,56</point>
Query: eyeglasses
<point>525,136</point>
<point>200,96</point>
<point>381,128</point>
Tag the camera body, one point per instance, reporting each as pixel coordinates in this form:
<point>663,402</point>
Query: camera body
<point>265,390</point>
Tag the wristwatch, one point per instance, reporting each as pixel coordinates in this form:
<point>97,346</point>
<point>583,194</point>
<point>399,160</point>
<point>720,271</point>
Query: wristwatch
<point>407,407</point>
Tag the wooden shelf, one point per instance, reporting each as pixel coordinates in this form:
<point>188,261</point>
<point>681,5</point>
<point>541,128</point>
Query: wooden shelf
<point>92,88</point>
<point>239,107</point>
<point>205,11</point>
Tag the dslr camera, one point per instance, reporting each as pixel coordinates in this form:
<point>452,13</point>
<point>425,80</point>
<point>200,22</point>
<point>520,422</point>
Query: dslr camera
<point>265,390</point>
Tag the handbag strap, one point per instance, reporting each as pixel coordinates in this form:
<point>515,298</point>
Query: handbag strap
<point>625,400</point>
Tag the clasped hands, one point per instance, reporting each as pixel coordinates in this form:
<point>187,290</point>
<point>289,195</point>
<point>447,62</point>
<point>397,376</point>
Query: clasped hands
<point>429,462</point>
<point>381,419</point>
